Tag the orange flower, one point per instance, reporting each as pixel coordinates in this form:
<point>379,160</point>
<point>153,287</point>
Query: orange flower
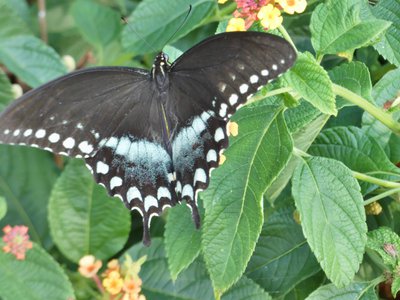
<point>292,6</point>
<point>113,283</point>
<point>89,266</point>
<point>132,286</point>
<point>236,24</point>
<point>17,241</point>
<point>270,17</point>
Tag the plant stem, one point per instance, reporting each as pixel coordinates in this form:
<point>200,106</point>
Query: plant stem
<point>381,196</point>
<point>300,153</point>
<point>269,94</point>
<point>96,279</point>
<point>287,37</point>
<point>42,20</point>
<point>377,181</point>
<point>378,113</point>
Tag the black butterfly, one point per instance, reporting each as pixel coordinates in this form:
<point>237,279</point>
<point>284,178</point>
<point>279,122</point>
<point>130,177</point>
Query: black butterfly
<point>151,138</point>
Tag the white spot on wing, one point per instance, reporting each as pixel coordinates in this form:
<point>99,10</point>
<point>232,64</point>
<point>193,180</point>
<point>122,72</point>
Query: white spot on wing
<point>219,135</point>
<point>28,132</point>
<point>85,147</point>
<point>115,181</point>
<point>178,188</point>
<point>7,131</point>
<point>40,133</point>
<point>150,201</point>
<point>222,87</point>
<point>211,155</point>
<point>69,143</point>
<point>54,138</point>
<point>233,99</point>
<point>79,126</point>
<point>253,79</point>
<point>163,192</point>
<point>123,146</point>
<point>200,175</point>
<point>274,67</point>
<point>16,132</point>
<point>187,191</point>
<point>243,88</point>
<point>102,168</point>
<point>222,111</point>
<point>133,193</point>
<point>265,72</point>
<point>112,142</point>
<point>282,61</point>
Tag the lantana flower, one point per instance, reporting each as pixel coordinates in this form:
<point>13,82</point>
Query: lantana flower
<point>89,266</point>
<point>113,283</point>
<point>222,1</point>
<point>270,16</point>
<point>292,6</point>
<point>16,241</point>
<point>236,24</point>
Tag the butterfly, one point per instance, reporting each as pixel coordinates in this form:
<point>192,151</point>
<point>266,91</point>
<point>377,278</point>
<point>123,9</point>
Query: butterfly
<point>150,138</point>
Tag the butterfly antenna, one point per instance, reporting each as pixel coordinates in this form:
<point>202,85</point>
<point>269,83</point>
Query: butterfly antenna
<point>180,26</point>
<point>125,20</point>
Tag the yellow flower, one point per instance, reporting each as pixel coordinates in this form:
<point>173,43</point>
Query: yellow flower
<point>292,6</point>
<point>270,16</point>
<point>89,266</point>
<point>222,1</point>
<point>113,283</point>
<point>233,128</point>
<point>236,24</point>
<point>222,159</point>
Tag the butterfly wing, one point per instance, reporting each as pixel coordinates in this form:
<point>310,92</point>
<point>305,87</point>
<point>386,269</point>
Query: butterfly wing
<point>209,82</point>
<point>112,118</point>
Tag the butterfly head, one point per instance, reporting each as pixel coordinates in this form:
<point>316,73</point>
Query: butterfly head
<point>160,68</point>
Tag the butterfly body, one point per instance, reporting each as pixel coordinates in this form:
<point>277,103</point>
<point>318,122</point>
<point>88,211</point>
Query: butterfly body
<point>150,137</point>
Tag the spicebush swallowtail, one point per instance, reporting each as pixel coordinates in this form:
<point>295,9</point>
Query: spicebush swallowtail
<point>151,138</point>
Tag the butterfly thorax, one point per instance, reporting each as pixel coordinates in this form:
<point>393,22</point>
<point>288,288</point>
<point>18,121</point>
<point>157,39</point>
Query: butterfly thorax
<point>159,71</point>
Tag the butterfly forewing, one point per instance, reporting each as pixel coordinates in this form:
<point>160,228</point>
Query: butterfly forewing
<point>208,84</point>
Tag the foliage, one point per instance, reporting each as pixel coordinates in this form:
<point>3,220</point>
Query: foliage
<point>283,217</point>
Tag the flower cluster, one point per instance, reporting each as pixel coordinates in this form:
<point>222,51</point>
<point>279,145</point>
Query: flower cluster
<point>267,12</point>
<point>16,241</point>
<point>118,281</point>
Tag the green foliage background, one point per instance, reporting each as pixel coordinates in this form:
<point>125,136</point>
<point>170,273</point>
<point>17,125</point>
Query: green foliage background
<point>317,141</point>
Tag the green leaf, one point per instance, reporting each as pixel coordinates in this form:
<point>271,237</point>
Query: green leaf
<point>182,239</point>
<point>357,151</point>
<point>355,77</point>
<point>26,178</point>
<point>3,207</point>
<point>336,26</point>
<point>6,94</point>
<point>36,277</point>
<point>379,239</point>
<point>356,291</point>
<point>193,283</point>
<point>155,21</point>
<point>172,52</point>
<point>31,60</point>
<point>98,24</point>
<point>246,289</point>
<point>233,201</point>
<point>332,216</point>
<point>395,286</point>
<point>10,22</point>
<point>305,122</point>
<point>282,257</point>
<point>83,219</point>
<point>312,83</point>
<point>385,90</point>
<point>389,47</point>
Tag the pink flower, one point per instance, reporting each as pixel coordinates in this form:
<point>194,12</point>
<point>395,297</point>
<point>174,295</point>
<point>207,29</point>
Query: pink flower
<point>17,241</point>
